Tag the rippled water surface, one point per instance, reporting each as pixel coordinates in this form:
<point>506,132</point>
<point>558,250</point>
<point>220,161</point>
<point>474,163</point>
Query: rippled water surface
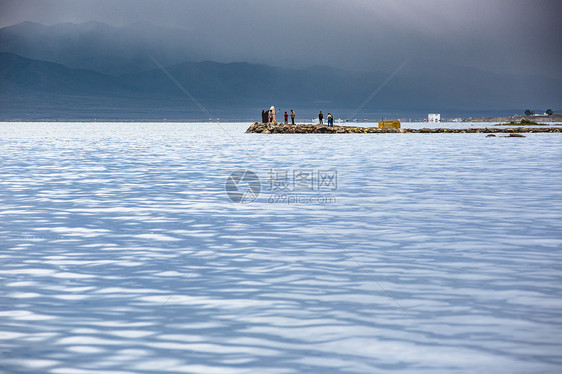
<point>122,253</point>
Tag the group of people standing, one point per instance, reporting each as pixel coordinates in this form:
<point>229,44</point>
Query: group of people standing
<point>268,116</point>
<point>330,119</point>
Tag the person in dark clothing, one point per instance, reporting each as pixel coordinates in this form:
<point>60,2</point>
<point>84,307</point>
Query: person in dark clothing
<point>286,118</point>
<point>292,117</point>
<point>263,117</point>
<point>321,118</point>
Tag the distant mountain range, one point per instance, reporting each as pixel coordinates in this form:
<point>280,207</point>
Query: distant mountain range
<point>100,47</point>
<point>92,64</point>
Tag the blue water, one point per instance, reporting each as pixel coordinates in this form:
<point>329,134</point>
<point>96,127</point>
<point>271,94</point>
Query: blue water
<point>122,253</point>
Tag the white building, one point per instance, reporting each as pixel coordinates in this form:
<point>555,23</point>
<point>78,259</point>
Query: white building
<point>434,117</point>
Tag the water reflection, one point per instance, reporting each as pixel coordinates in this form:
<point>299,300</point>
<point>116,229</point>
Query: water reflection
<point>122,253</point>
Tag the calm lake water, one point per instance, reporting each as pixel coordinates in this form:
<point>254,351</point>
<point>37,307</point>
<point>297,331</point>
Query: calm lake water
<point>121,252</point>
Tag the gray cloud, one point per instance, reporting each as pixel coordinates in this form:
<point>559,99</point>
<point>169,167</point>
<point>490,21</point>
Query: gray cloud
<point>498,35</point>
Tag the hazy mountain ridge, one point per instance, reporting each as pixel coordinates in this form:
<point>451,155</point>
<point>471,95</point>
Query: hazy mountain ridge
<point>28,76</point>
<point>121,65</point>
<point>247,83</point>
<point>98,46</point>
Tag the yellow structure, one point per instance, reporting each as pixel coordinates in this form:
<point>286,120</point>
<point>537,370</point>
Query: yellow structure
<point>389,124</point>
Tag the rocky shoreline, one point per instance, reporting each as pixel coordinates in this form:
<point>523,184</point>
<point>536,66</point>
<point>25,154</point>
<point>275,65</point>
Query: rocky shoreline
<point>281,128</point>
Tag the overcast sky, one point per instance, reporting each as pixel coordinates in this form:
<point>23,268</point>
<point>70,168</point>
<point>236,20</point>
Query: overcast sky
<point>497,35</point>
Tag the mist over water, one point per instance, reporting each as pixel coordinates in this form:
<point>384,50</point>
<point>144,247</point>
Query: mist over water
<point>121,252</point>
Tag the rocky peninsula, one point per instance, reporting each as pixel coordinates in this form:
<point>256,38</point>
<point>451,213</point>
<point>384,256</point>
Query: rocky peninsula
<point>282,128</point>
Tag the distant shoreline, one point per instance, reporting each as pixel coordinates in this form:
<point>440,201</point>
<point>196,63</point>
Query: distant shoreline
<point>537,118</point>
<point>541,119</point>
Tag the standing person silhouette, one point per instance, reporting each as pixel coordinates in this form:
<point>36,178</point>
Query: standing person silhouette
<point>286,118</point>
<point>292,117</point>
<point>330,119</point>
<point>321,118</point>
